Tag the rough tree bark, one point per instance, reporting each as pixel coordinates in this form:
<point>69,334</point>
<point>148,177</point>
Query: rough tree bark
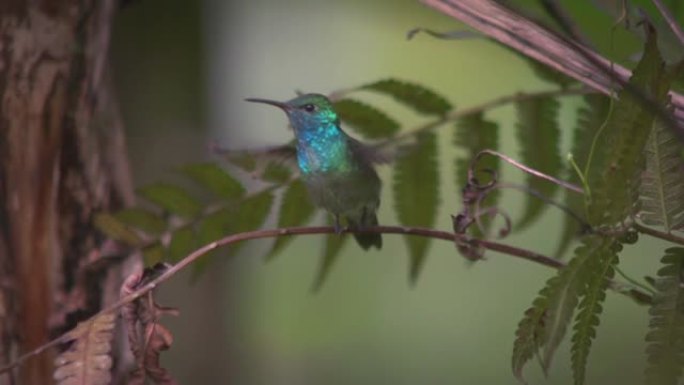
<point>62,159</point>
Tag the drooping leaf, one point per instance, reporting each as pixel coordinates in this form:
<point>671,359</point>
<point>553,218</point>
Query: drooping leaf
<point>172,199</point>
<point>251,214</point>
<point>88,359</point>
<point>665,338</point>
<point>538,138</point>
<point>331,251</point>
<point>183,241</point>
<point>473,133</point>
<point>295,210</point>
<point>215,179</point>
<point>601,270</point>
<point>662,183</point>
<point>142,219</point>
<point>276,172</point>
<point>416,194</point>
<point>415,96</point>
<point>365,119</point>
<point>590,117</point>
<point>615,176</point>
<point>544,325</point>
<point>116,229</point>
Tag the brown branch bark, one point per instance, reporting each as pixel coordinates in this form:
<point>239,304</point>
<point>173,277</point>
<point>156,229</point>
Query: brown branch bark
<point>509,28</point>
<point>61,159</point>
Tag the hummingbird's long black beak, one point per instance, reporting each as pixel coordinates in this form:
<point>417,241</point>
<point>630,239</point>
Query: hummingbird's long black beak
<point>276,103</point>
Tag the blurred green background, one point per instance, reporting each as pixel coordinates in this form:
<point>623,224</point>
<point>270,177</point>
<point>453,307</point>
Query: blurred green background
<point>182,70</point>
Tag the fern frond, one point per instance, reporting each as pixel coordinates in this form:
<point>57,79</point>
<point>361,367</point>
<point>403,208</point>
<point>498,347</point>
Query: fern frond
<point>538,137</point>
<point>545,324</point>
<point>416,194</point>
<point>413,95</point>
<point>614,177</point>
<point>600,270</point>
<point>662,183</point>
<point>665,339</point>
<point>88,360</point>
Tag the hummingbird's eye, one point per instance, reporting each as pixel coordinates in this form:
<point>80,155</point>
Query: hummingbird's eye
<point>309,107</point>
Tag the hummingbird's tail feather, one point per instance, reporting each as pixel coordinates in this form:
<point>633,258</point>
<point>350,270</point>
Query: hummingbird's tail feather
<point>366,240</point>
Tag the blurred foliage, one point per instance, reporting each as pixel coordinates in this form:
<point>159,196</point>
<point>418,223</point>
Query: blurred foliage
<point>630,163</point>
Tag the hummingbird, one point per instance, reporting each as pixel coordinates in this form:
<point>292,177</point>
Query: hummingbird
<point>336,168</point>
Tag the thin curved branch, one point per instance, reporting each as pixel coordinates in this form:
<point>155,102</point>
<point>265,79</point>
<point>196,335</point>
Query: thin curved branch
<point>634,293</point>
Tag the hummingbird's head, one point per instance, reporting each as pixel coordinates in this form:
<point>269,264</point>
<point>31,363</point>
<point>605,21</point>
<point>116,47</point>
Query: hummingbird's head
<point>306,112</point>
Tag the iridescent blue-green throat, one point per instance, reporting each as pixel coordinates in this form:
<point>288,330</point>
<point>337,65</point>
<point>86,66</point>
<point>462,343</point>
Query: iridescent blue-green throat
<point>336,168</point>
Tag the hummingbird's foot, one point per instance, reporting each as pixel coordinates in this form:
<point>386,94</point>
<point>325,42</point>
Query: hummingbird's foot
<point>338,227</point>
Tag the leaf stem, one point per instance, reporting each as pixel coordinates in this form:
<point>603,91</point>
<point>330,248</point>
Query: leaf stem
<point>659,234</point>
<point>529,255</point>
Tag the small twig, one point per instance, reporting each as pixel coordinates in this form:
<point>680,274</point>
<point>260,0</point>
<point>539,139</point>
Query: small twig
<point>658,234</point>
<point>259,234</point>
<point>669,18</point>
<point>528,170</point>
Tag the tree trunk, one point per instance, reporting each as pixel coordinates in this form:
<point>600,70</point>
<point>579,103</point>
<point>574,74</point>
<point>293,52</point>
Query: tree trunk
<point>62,159</point>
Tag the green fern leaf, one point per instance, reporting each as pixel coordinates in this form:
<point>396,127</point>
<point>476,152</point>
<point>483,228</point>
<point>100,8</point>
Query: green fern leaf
<point>331,251</point>
<point>276,172</point>
<point>416,194</point>
<point>415,96</point>
<point>211,228</point>
<point>117,229</point>
<point>183,241</point>
<point>366,120</point>
<point>295,210</point>
<point>215,179</point>
<point>473,133</point>
<point>600,271</point>
<point>666,336</point>
<point>538,138</point>
<point>153,253</point>
<point>529,336</point>
<point>590,117</point>
<point>614,177</point>
<point>547,321</point>
<point>252,213</point>
<point>662,185</point>
<point>243,160</point>
<point>172,199</point>
<point>142,219</point>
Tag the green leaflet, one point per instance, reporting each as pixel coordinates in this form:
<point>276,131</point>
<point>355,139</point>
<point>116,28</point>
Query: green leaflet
<point>331,251</point>
<point>171,198</point>
<point>211,228</point>
<point>142,219</point>
<point>215,179</point>
<point>600,270</point>
<point>538,138</point>
<point>183,241</point>
<point>662,185</point>
<point>665,338</point>
<point>545,324</point>
<point>416,194</point>
<point>245,161</point>
<point>276,172</point>
<point>529,336</point>
<point>295,210</point>
<point>590,117</point>
<point>366,120</point>
<point>614,176</point>
<point>116,229</point>
<point>415,96</point>
<point>473,133</point>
